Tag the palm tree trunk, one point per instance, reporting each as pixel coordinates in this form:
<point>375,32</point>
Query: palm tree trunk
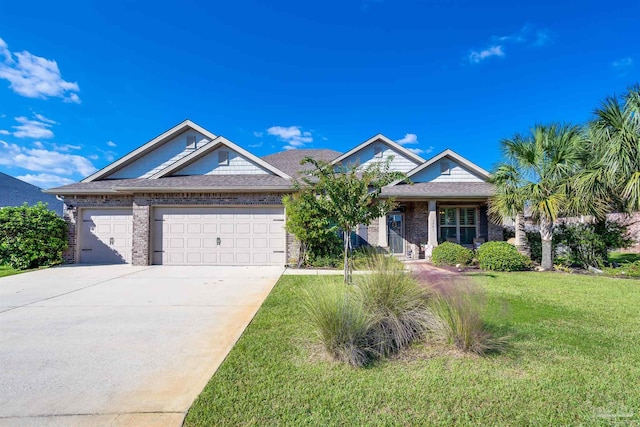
<point>546,235</point>
<point>521,235</point>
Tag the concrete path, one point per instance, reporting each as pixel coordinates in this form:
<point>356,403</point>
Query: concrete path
<point>119,345</point>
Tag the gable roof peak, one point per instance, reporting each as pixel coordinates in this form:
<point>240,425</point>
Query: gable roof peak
<point>391,143</point>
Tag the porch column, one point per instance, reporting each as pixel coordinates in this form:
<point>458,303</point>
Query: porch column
<point>433,224</point>
<point>382,232</point>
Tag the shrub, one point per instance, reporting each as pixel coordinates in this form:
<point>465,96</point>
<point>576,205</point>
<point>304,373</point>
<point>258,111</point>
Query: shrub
<point>501,256</point>
<point>448,253</point>
<point>589,244</point>
<point>342,324</point>
<point>396,304</point>
<point>459,307</point>
<point>31,236</point>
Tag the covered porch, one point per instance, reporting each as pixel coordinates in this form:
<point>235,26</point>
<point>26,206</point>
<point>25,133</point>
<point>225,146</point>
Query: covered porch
<point>417,226</point>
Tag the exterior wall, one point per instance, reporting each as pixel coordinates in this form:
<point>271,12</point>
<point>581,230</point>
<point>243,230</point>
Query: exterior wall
<point>366,156</point>
<point>209,165</point>
<point>457,173</point>
<point>142,205</point>
<point>161,157</point>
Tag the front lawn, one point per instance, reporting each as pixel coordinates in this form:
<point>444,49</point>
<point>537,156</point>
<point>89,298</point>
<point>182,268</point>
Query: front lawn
<point>6,270</point>
<point>573,358</point>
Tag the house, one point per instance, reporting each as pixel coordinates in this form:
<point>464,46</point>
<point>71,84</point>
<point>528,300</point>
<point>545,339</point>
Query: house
<point>190,197</point>
<point>15,192</point>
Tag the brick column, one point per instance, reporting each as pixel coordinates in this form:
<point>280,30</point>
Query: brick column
<point>141,232</point>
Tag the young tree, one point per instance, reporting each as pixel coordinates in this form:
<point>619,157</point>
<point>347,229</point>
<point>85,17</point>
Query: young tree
<point>537,173</point>
<point>348,196</point>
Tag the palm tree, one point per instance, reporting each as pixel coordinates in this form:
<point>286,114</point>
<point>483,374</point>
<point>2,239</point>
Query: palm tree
<point>536,174</point>
<point>613,172</point>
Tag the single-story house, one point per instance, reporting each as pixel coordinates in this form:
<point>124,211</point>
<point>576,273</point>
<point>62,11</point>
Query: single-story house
<point>190,197</point>
<point>15,192</point>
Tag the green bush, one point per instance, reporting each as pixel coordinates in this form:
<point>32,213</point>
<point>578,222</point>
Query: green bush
<point>588,244</point>
<point>501,256</point>
<point>627,269</point>
<point>396,304</point>
<point>31,236</point>
<point>448,253</point>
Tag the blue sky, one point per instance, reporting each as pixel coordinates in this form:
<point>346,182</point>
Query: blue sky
<point>83,83</point>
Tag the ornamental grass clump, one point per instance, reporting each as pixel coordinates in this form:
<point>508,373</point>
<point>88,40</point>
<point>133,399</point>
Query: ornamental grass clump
<point>342,324</point>
<point>395,304</point>
<point>383,312</point>
<point>460,306</point>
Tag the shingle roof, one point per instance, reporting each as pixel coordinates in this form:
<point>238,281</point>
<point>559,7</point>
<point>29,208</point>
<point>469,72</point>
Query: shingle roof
<point>289,161</point>
<point>14,192</point>
<point>440,189</point>
<point>219,183</point>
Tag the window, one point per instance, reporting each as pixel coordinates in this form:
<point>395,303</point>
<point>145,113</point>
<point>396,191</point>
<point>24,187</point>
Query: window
<point>377,152</point>
<point>223,157</point>
<point>191,141</point>
<point>458,225</point>
<point>445,168</point>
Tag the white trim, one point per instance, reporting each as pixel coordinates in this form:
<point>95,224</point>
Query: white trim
<point>384,139</point>
<point>210,146</point>
<point>452,155</point>
<point>149,146</point>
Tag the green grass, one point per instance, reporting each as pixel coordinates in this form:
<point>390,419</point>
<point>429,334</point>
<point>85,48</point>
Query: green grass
<point>573,359</point>
<point>621,257</point>
<point>6,270</point>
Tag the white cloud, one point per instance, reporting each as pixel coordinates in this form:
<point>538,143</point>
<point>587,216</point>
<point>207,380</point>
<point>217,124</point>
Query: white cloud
<point>45,180</point>
<point>34,129</point>
<point>529,35</point>
<point>108,155</point>
<point>259,144</point>
<point>479,56</point>
<point>65,147</point>
<point>111,144</point>
<point>43,160</point>
<point>258,134</point>
<point>419,151</point>
<point>34,76</point>
<point>94,157</point>
<point>409,138</point>
<point>293,136</point>
<point>4,132</point>
<point>44,119</point>
<point>38,144</point>
<point>622,66</point>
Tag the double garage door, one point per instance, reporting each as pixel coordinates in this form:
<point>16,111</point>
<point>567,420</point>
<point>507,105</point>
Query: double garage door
<point>188,236</point>
<point>222,236</point>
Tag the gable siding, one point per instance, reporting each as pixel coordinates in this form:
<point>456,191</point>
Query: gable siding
<point>158,159</point>
<point>366,156</point>
<point>209,165</point>
<point>457,173</point>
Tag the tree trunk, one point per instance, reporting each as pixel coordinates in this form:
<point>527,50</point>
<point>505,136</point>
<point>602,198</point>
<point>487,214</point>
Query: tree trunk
<point>347,272</point>
<point>521,235</point>
<point>546,234</point>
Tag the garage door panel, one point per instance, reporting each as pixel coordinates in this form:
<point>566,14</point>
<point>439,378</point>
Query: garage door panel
<point>106,236</point>
<point>224,236</point>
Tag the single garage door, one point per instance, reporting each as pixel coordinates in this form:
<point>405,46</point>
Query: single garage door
<point>106,236</point>
<point>219,236</point>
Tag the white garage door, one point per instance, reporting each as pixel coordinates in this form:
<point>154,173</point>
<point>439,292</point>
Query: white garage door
<point>219,236</point>
<point>106,236</point>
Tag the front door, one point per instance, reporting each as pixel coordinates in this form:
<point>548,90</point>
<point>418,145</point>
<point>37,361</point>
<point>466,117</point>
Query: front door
<point>395,233</point>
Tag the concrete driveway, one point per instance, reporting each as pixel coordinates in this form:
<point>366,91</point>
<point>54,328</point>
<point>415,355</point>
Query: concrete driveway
<point>119,345</point>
